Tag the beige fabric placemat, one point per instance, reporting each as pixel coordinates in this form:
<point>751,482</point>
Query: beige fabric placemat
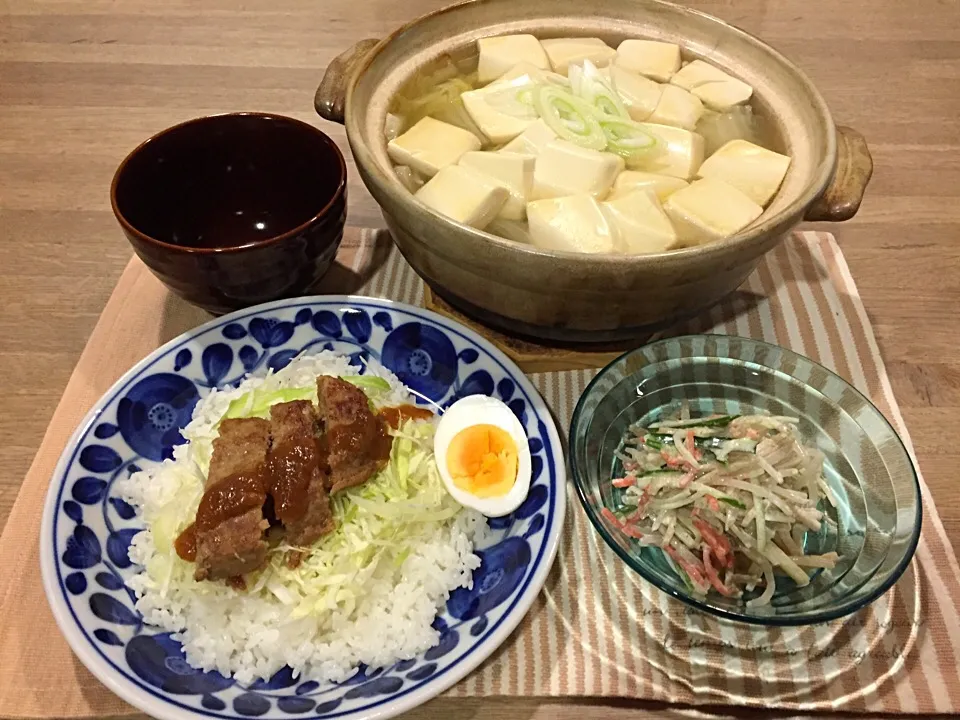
<point>595,630</point>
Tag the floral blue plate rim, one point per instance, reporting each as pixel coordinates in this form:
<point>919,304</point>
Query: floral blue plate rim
<point>158,703</point>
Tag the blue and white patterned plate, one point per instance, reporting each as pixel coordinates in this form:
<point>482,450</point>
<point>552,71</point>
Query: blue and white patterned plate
<point>87,527</point>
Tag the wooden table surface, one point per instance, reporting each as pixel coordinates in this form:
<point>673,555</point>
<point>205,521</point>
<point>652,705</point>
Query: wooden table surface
<point>84,81</point>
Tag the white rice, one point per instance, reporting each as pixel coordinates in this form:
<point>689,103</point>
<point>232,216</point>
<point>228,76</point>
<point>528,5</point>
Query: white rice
<point>253,634</point>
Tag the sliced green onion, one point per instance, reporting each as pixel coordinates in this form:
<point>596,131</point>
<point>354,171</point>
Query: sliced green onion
<point>653,443</point>
<point>718,421</point>
<point>556,79</point>
<point>589,84</point>
<point>515,101</point>
<point>731,501</point>
<point>627,138</point>
<point>569,117</point>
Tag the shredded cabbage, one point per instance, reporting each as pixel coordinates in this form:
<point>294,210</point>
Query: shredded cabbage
<point>368,383</point>
<point>257,403</point>
<point>380,524</point>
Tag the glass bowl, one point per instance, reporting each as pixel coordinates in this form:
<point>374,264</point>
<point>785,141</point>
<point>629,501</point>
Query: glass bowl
<point>878,511</point>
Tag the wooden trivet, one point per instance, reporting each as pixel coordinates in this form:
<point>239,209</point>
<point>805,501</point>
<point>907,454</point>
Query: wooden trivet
<point>530,356</point>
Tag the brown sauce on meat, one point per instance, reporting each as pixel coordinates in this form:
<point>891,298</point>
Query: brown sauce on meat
<point>237,583</point>
<point>382,443</point>
<point>186,543</point>
<point>396,416</point>
<point>281,486</point>
<point>323,454</point>
<point>292,464</point>
<point>230,498</point>
<point>349,440</point>
<point>346,440</point>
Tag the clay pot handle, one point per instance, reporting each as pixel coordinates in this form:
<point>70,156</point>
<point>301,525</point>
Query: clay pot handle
<point>841,200</point>
<point>332,93</point>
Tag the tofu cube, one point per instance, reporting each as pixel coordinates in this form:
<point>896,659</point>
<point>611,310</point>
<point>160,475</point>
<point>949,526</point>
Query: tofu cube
<point>710,210</point>
<point>640,223</point>
<point>498,126</point>
<point>567,169</point>
<point>657,60</point>
<point>510,229</point>
<point>751,169</point>
<point>640,95</point>
<point>465,195</point>
<point>513,170</point>
<point>677,107</point>
<point>499,54</point>
<point>528,73</point>
<point>564,52</point>
<point>573,224</point>
<point>531,141</point>
<point>629,181</point>
<point>431,145</point>
<point>680,155</point>
<point>718,90</point>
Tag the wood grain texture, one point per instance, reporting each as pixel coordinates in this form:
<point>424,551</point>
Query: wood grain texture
<point>83,81</point>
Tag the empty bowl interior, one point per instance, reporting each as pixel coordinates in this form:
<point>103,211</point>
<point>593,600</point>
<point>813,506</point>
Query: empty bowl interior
<point>228,180</point>
<point>877,515</point>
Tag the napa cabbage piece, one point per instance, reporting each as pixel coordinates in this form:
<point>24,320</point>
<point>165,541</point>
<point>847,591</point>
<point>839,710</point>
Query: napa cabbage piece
<point>442,103</point>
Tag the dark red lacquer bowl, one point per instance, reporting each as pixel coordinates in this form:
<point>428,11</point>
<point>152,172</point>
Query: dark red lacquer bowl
<point>234,210</point>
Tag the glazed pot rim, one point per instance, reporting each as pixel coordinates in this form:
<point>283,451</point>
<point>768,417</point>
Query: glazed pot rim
<point>751,236</point>
<point>335,198</point>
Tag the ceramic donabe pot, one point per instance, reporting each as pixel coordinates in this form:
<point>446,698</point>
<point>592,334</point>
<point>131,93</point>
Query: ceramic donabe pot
<point>575,297</point>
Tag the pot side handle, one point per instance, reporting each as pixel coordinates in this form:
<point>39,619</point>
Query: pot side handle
<point>842,198</point>
<point>332,93</point>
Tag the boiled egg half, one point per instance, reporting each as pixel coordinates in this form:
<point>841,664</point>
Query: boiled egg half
<point>482,454</point>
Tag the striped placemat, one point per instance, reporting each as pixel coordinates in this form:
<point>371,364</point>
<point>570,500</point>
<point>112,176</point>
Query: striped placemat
<point>598,630</point>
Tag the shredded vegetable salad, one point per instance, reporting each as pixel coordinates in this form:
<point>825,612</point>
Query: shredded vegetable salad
<point>729,499</point>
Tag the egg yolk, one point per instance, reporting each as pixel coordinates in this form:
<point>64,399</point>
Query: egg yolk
<point>482,460</point>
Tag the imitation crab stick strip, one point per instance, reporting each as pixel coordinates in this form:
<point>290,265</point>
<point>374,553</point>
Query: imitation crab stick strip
<point>712,574</point>
<point>689,568</point>
<point>610,517</point>
<point>718,543</point>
